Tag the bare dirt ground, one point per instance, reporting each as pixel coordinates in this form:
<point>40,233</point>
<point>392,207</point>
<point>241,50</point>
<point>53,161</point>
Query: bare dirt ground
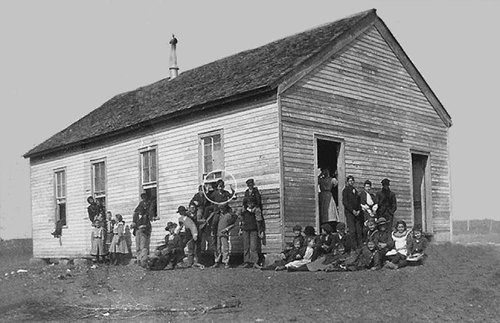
<point>457,283</point>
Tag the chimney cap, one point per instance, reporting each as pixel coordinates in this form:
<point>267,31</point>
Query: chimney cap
<point>174,40</point>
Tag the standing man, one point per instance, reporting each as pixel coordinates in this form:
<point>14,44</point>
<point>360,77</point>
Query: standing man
<point>387,204</point>
<point>141,225</point>
<point>352,206</point>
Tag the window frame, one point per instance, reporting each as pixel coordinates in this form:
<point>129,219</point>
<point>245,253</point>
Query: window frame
<point>58,200</point>
<point>151,184</point>
<point>201,153</point>
<point>94,162</point>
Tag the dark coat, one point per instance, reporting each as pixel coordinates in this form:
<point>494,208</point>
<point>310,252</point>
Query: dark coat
<point>384,237</point>
<point>414,245</point>
<point>94,209</point>
<point>387,204</point>
<point>254,194</point>
<point>141,220</point>
<point>351,200</point>
<point>345,240</point>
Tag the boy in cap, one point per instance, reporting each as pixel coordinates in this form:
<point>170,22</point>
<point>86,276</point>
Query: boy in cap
<point>252,228</point>
<point>341,237</point>
<point>252,192</point>
<point>387,203</point>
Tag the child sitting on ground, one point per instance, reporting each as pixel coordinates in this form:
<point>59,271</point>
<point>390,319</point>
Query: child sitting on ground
<point>326,240</point>
<point>309,233</point>
<point>169,254</point>
<point>371,231</point>
<point>307,258</point>
<point>97,242</point>
<point>363,258</point>
<point>397,255</point>
<point>297,234</point>
<point>295,253</point>
<point>416,246</point>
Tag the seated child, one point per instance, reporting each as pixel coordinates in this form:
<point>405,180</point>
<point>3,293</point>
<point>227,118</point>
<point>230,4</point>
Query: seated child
<point>397,255</point>
<point>307,257</point>
<point>416,246</point>
<point>326,240</point>
<point>288,255</point>
<point>309,233</point>
<point>297,234</point>
<point>168,255</point>
<point>371,231</point>
<point>383,240</point>
<point>363,258</point>
<point>343,238</point>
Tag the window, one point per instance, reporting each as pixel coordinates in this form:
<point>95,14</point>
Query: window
<point>149,175</point>
<point>60,190</point>
<point>212,156</point>
<point>99,182</point>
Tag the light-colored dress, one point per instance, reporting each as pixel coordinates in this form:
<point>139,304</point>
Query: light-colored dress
<point>119,243</point>
<point>399,243</point>
<point>327,206</point>
<point>304,261</point>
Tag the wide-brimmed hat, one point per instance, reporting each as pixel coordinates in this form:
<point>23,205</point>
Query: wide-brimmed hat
<point>181,209</point>
<point>170,225</point>
<point>250,181</point>
<point>386,181</point>
<point>381,221</point>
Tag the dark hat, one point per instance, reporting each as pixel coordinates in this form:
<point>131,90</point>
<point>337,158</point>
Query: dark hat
<point>181,209</point>
<point>309,231</point>
<point>386,181</point>
<point>368,182</point>
<point>340,226</point>
<point>381,221</point>
<point>170,225</point>
<point>220,181</point>
<point>250,181</point>
<point>417,227</point>
<point>327,228</point>
<point>297,228</point>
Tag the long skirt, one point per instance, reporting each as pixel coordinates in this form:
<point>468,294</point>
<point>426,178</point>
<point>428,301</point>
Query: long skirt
<point>118,245</point>
<point>327,208</point>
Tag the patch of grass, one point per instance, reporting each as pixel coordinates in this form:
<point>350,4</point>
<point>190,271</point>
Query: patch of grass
<point>476,238</point>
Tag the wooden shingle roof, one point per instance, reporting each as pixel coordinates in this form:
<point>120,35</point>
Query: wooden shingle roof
<point>245,73</point>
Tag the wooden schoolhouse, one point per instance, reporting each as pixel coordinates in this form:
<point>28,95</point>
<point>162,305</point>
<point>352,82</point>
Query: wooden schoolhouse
<point>343,95</point>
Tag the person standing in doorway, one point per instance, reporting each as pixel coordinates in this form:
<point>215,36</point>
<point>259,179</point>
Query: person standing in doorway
<point>387,204</point>
<point>328,212</point>
<point>352,207</point>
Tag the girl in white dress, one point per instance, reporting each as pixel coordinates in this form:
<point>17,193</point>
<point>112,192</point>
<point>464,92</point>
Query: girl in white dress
<point>397,256</point>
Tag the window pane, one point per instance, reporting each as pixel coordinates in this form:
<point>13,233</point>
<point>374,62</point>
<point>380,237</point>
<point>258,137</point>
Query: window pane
<point>153,170</point>
<point>145,167</point>
<point>62,213</point>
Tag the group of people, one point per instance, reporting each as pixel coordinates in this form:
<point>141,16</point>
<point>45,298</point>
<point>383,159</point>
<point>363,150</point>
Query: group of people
<point>208,220</point>
<point>359,207</point>
<point>335,250</point>
<point>363,240</point>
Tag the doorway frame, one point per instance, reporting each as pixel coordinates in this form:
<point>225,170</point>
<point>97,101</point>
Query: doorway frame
<point>341,173</point>
<point>427,216</point>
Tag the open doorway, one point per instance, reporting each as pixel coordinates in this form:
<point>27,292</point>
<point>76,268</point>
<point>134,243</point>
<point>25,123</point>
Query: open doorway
<point>329,155</point>
<point>420,180</point>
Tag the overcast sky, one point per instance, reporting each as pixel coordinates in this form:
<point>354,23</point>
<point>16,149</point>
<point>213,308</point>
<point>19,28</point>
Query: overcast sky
<point>59,60</point>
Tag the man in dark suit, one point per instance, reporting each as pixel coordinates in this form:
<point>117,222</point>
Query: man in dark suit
<point>387,204</point>
<point>352,206</point>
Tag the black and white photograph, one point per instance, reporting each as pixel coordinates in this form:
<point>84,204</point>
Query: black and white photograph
<point>249,161</point>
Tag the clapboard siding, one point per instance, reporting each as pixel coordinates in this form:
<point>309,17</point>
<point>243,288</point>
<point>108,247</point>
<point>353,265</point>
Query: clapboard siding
<point>366,98</point>
<point>251,149</point>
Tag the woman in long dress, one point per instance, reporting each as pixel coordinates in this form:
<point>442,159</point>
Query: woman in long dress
<point>327,207</point>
